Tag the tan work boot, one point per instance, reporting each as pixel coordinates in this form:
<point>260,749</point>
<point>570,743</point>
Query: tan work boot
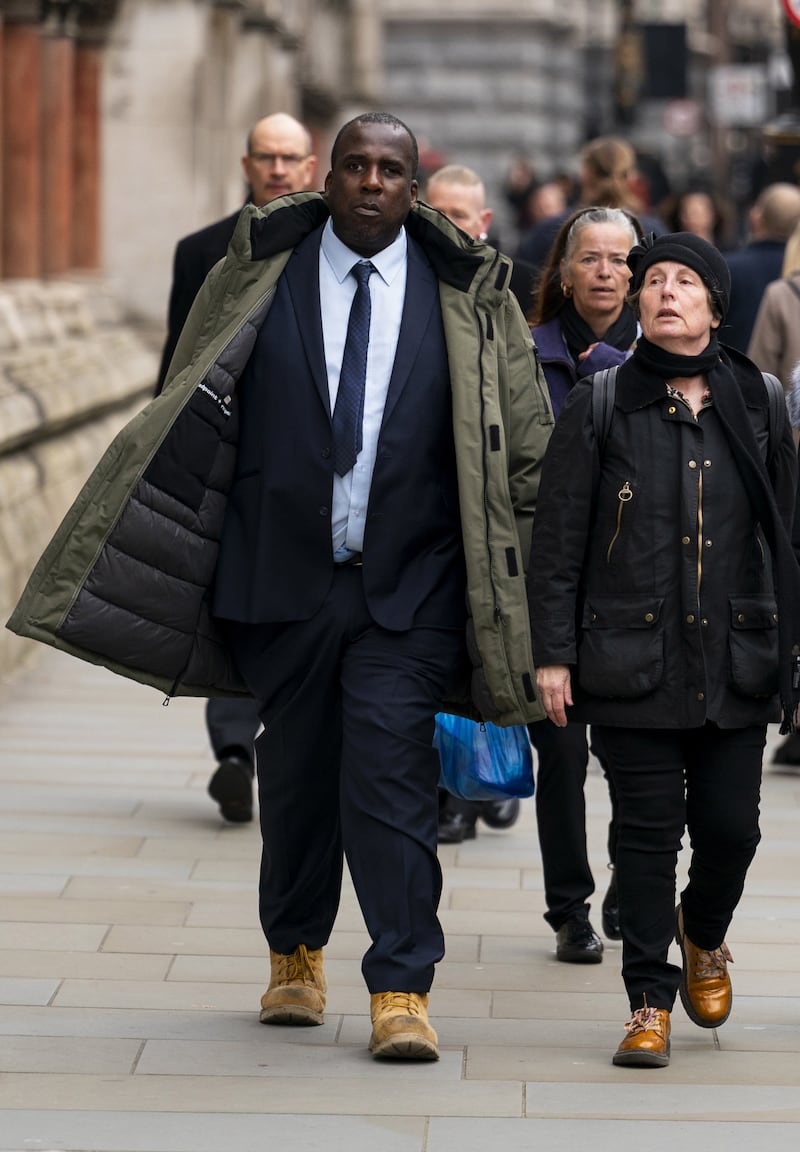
<point>705,986</point>
<point>400,1027</point>
<point>647,1042</point>
<point>297,986</point>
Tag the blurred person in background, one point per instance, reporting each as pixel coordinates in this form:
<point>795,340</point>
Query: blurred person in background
<point>546,200</point>
<point>772,220</point>
<point>775,347</point>
<point>278,160</point>
<point>582,324</point>
<point>458,192</point>
<point>775,343</point>
<point>697,210</point>
<point>606,180</point>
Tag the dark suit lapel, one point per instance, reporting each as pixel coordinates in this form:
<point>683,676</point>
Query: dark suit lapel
<point>419,305</point>
<point>302,281</point>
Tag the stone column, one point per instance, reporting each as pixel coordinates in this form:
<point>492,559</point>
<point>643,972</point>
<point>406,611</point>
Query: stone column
<point>86,156</point>
<point>58,85</point>
<point>21,121</point>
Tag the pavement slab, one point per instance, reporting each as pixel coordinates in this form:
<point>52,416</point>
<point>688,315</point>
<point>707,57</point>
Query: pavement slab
<point>132,962</point>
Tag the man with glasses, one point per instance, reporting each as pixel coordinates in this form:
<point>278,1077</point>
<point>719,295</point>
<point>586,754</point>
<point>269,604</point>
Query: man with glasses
<point>278,161</point>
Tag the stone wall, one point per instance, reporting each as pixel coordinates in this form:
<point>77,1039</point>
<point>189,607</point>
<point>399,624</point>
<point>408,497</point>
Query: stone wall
<point>482,93</point>
<point>71,374</point>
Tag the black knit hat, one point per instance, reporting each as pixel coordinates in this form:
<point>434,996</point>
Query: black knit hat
<point>683,248</point>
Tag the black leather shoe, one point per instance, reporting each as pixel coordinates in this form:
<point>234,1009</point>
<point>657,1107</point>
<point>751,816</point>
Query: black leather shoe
<point>455,827</point>
<point>232,788</point>
<point>578,943</point>
<point>500,813</point>
<point>789,751</point>
<point>611,909</point>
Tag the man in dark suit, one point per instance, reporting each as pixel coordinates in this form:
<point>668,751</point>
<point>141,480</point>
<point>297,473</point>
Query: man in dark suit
<point>278,160</point>
<point>341,580</point>
<point>458,191</point>
<point>772,220</point>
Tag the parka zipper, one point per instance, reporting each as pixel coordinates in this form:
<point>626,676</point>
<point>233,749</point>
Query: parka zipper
<point>624,495</point>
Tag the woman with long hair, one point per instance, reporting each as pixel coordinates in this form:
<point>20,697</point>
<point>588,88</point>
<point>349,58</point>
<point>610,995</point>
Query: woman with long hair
<point>582,324</point>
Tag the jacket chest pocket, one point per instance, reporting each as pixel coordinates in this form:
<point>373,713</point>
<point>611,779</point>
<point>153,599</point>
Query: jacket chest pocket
<point>621,646</point>
<point>753,645</point>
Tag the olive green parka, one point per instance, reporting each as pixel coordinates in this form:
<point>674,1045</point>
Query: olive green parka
<point>126,581</point>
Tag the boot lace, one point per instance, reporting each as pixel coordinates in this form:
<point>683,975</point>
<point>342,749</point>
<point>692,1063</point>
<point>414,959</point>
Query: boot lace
<point>296,967</point>
<point>711,964</point>
<point>409,1002</point>
<point>645,1019</point>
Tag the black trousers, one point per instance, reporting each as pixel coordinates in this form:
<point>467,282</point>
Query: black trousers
<point>562,756</point>
<point>706,780</point>
<point>232,724</point>
<point>346,763</point>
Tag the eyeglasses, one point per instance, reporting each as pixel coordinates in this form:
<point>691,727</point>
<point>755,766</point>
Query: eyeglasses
<point>270,159</point>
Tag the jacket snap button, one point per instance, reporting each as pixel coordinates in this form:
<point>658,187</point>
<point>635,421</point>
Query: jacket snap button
<point>707,543</point>
<point>775,616</point>
<point>740,618</point>
<point>706,463</point>
<point>692,463</point>
<point>685,540</point>
<point>704,622</point>
<point>593,616</point>
<point>701,695</point>
<point>323,511</point>
<point>672,409</point>
<point>690,619</point>
<point>649,617</point>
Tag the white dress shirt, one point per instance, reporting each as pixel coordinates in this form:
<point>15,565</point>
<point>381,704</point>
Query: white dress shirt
<point>387,289</point>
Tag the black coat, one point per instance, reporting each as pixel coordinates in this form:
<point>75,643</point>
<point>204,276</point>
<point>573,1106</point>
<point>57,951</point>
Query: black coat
<point>662,624</point>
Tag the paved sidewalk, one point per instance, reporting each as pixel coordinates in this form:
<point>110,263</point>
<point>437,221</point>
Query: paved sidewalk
<point>131,965</point>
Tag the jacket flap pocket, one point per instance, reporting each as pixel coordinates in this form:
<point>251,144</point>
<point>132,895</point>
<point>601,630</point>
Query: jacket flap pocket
<point>758,610</point>
<point>611,610</point>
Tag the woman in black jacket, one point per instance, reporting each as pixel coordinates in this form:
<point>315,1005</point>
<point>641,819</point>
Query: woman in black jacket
<point>655,562</point>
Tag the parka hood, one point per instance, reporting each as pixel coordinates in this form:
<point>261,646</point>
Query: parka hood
<point>456,259</point>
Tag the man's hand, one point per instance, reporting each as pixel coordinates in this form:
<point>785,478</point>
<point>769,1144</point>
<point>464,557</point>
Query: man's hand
<point>555,691</point>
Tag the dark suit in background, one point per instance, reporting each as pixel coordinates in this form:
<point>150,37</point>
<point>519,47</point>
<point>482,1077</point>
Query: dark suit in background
<point>195,256</point>
<point>755,266</point>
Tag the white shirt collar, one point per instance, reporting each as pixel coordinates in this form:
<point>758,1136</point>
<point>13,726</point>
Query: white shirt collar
<point>387,262</point>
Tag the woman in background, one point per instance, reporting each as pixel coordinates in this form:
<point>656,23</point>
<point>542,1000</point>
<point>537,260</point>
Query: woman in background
<point>775,343</point>
<point>581,325</point>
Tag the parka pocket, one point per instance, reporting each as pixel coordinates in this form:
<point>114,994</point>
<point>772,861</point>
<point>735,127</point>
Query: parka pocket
<point>621,649</point>
<point>753,644</point>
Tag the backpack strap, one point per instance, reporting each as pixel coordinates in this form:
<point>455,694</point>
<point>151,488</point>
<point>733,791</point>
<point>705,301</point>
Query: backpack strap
<point>777,413</point>
<point>604,387</point>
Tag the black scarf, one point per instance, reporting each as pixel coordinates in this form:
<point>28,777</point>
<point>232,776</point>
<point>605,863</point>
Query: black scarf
<point>669,365</point>
<point>726,393</point>
<point>578,335</point>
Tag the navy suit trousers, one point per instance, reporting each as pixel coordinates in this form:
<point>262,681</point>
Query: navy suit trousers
<point>346,764</point>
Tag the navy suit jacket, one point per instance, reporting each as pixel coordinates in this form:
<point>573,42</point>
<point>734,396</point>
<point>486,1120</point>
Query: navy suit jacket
<point>275,561</point>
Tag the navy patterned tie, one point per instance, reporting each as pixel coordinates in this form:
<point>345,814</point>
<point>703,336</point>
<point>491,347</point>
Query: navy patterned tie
<point>348,414</point>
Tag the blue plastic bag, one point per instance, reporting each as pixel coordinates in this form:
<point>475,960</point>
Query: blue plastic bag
<point>482,761</point>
